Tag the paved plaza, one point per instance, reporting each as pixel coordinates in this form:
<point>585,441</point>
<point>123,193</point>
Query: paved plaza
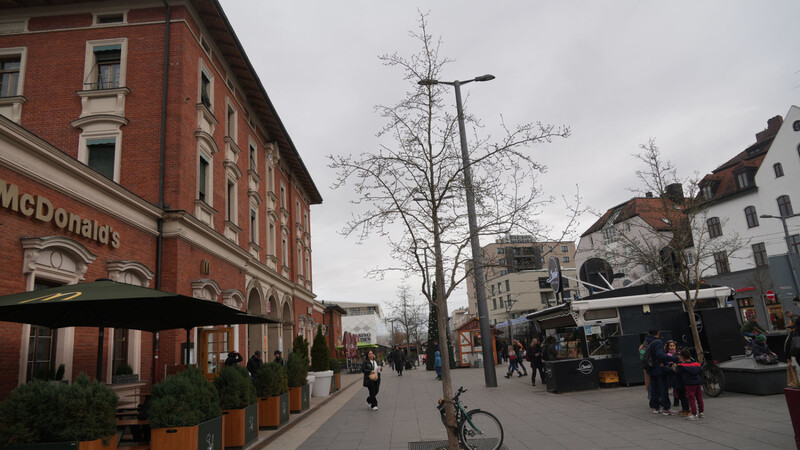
<point>531,417</point>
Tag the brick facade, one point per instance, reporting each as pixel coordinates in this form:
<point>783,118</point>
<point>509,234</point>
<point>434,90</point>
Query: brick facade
<point>207,246</point>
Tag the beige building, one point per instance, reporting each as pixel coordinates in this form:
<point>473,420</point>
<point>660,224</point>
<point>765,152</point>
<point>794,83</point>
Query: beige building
<point>516,276</point>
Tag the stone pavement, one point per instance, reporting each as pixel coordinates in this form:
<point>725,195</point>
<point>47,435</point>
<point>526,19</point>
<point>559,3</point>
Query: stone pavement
<point>533,418</point>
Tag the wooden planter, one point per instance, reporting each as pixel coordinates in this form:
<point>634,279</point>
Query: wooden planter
<point>207,435</point>
<point>298,398</point>
<point>240,426</point>
<point>338,381</point>
<point>96,444</point>
<point>793,402</point>
<point>273,411</point>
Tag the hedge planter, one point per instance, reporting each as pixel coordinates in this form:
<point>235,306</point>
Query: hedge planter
<point>207,435</point>
<point>96,444</point>
<point>298,398</point>
<point>241,426</point>
<point>273,411</point>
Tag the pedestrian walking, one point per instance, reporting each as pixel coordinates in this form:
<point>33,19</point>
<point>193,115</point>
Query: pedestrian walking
<point>657,368</point>
<point>278,358</point>
<point>437,365</point>
<point>399,359</point>
<point>372,379</point>
<point>519,349</point>
<point>690,372</point>
<point>512,363</point>
<point>254,363</point>
<point>233,358</point>
<point>535,357</point>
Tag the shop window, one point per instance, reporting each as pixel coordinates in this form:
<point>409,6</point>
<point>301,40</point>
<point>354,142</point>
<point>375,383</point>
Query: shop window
<point>760,254</point>
<point>751,216</point>
<point>721,262</point>
<point>775,313</point>
<point>778,168</point>
<point>785,206</point>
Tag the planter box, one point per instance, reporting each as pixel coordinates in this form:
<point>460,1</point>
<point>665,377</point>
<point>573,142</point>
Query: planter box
<point>746,376</point>
<point>793,402</point>
<point>124,379</point>
<point>240,426</point>
<point>273,411</point>
<point>298,398</point>
<point>338,381</point>
<point>322,383</point>
<point>205,436</point>
<point>96,444</point>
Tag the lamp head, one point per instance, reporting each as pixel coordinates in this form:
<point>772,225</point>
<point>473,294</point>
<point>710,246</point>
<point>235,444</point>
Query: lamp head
<point>427,82</point>
<point>766,216</point>
<point>486,77</point>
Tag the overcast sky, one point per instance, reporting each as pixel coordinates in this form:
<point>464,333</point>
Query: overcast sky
<point>700,77</point>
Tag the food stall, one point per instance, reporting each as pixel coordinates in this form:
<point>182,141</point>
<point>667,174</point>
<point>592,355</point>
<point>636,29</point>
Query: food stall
<point>603,332</point>
<point>469,349</point>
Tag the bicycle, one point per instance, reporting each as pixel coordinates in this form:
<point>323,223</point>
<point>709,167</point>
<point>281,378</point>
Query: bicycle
<point>713,378</point>
<point>476,429</point>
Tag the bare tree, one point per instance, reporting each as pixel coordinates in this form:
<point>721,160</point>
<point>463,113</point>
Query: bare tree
<point>679,252</point>
<point>410,314</point>
<point>412,186</point>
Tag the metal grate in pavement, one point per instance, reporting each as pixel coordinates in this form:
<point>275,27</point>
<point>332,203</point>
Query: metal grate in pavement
<point>434,445</point>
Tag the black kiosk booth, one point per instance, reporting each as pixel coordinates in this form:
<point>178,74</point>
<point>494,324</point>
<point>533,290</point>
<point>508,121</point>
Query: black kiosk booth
<point>603,332</point>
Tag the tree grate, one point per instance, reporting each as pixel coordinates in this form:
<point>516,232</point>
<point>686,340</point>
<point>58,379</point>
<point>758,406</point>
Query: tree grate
<point>434,445</point>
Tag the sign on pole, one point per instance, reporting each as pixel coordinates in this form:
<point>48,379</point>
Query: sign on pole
<point>770,295</point>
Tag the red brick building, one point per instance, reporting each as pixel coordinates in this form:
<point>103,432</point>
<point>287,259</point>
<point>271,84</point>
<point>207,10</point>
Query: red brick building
<point>137,143</point>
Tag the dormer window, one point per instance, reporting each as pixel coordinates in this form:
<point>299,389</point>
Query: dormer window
<point>742,180</point>
<point>707,190</point>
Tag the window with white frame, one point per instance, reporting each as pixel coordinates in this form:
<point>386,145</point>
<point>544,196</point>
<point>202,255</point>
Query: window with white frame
<point>101,156</point>
<point>564,249</point>
<point>230,201</point>
<point>105,66</point>
<point>271,239</point>
<point>10,69</point>
<point>300,261</point>
<point>206,87</point>
<point>253,224</point>
<point>253,155</point>
<point>284,249</point>
<point>231,128</point>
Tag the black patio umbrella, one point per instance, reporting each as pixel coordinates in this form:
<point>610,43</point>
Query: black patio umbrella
<point>109,304</point>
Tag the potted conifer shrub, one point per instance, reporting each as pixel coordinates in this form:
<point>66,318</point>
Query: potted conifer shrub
<point>124,374</point>
<point>184,412</point>
<point>296,371</point>
<point>320,367</point>
<point>237,398</point>
<point>272,388</point>
<point>46,415</point>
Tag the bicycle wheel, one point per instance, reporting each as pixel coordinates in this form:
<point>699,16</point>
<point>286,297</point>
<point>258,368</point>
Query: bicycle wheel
<point>480,430</point>
<point>713,380</point>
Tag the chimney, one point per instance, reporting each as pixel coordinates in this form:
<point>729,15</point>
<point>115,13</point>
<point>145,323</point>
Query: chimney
<point>648,195</point>
<point>674,192</point>
<point>773,125</point>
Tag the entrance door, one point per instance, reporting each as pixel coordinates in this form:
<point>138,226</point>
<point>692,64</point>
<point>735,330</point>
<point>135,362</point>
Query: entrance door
<point>214,347</point>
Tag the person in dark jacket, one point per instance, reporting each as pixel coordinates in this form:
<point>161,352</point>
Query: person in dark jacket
<point>399,360</point>
<point>761,351</point>
<point>659,391</point>
<point>233,359</point>
<point>549,352</point>
<point>519,350</point>
<point>254,363</point>
<point>691,375</point>
<point>368,367</point>
<point>535,354</point>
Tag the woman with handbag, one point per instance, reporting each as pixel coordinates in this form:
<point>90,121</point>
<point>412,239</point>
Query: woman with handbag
<point>372,379</point>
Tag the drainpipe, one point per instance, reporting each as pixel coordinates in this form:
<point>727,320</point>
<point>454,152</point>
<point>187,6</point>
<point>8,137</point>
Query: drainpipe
<point>163,145</point>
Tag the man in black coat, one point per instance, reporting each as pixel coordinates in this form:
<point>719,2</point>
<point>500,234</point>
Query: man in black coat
<point>399,359</point>
<point>254,363</point>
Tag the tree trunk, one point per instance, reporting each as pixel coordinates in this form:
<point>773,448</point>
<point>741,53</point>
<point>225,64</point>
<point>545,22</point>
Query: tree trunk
<point>698,346</point>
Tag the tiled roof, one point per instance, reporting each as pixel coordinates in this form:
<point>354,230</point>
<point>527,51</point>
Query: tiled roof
<point>650,209</point>
<point>723,178</point>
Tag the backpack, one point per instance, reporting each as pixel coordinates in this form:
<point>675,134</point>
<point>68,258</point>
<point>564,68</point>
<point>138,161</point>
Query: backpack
<point>646,356</point>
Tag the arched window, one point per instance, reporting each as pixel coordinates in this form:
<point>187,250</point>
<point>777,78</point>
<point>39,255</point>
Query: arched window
<point>778,168</point>
<point>751,216</point>
<point>714,227</point>
<point>785,206</point>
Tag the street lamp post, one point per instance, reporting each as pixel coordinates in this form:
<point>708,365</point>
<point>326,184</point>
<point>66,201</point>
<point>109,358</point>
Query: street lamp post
<point>489,374</point>
<point>789,249</point>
